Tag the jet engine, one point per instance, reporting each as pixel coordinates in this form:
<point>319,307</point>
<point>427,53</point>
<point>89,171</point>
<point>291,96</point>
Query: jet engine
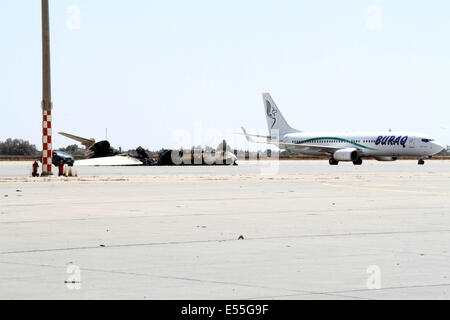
<point>349,154</point>
<point>386,158</point>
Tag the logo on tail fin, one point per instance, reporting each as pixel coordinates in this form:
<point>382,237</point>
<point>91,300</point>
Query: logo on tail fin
<point>271,112</point>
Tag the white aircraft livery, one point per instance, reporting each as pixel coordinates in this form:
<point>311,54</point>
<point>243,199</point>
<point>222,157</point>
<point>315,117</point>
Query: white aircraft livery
<point>341,146</point>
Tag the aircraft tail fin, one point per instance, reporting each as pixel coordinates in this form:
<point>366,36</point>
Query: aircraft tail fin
<point>275,120</point>
<point>85,142</point>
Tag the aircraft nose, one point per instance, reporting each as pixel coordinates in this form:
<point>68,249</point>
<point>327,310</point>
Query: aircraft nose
<point>437,147</point>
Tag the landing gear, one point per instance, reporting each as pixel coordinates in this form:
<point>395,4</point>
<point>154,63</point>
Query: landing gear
<point>333,162</point>
<point>421,162</point>
<point>357,162</point>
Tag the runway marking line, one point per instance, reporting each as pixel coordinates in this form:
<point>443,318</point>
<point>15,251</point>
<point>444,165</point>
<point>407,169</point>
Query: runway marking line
<point>400,185</point>
<point>385,190</point>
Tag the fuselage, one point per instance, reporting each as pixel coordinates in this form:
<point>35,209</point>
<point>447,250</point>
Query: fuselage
<point>368,144</point>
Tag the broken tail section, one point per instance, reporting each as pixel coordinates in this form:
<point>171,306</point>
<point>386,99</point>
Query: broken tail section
<point>85,142</point>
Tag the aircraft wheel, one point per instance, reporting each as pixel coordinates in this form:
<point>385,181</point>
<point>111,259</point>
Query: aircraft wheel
<point>357,162</point>
<point>421,162</point>
<point>333,162</point>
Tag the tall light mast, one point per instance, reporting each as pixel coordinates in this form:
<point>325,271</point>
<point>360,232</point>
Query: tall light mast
<point>46,104</point>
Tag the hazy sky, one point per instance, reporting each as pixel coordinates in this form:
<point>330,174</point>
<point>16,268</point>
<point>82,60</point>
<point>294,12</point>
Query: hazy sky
<point>149,70</point>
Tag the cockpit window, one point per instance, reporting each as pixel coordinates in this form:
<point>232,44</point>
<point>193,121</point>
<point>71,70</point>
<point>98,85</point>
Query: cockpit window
<point>427,140</point>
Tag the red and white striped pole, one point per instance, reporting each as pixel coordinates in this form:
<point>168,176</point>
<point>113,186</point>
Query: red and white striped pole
<point>47,104</point>
<point>46,142</point>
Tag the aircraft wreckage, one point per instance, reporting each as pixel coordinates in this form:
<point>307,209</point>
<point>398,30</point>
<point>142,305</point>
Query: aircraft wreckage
<point>102,154</point>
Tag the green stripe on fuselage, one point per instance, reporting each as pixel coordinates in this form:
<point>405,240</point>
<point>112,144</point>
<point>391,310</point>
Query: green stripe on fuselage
<point>335,138</point>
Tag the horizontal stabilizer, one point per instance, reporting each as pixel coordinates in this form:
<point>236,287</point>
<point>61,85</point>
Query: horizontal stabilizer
<point>249,137</point>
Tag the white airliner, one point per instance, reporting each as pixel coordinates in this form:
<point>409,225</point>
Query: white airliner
<point>342,146</point>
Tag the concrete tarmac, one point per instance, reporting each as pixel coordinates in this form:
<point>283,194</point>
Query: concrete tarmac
<point>311,231</point>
